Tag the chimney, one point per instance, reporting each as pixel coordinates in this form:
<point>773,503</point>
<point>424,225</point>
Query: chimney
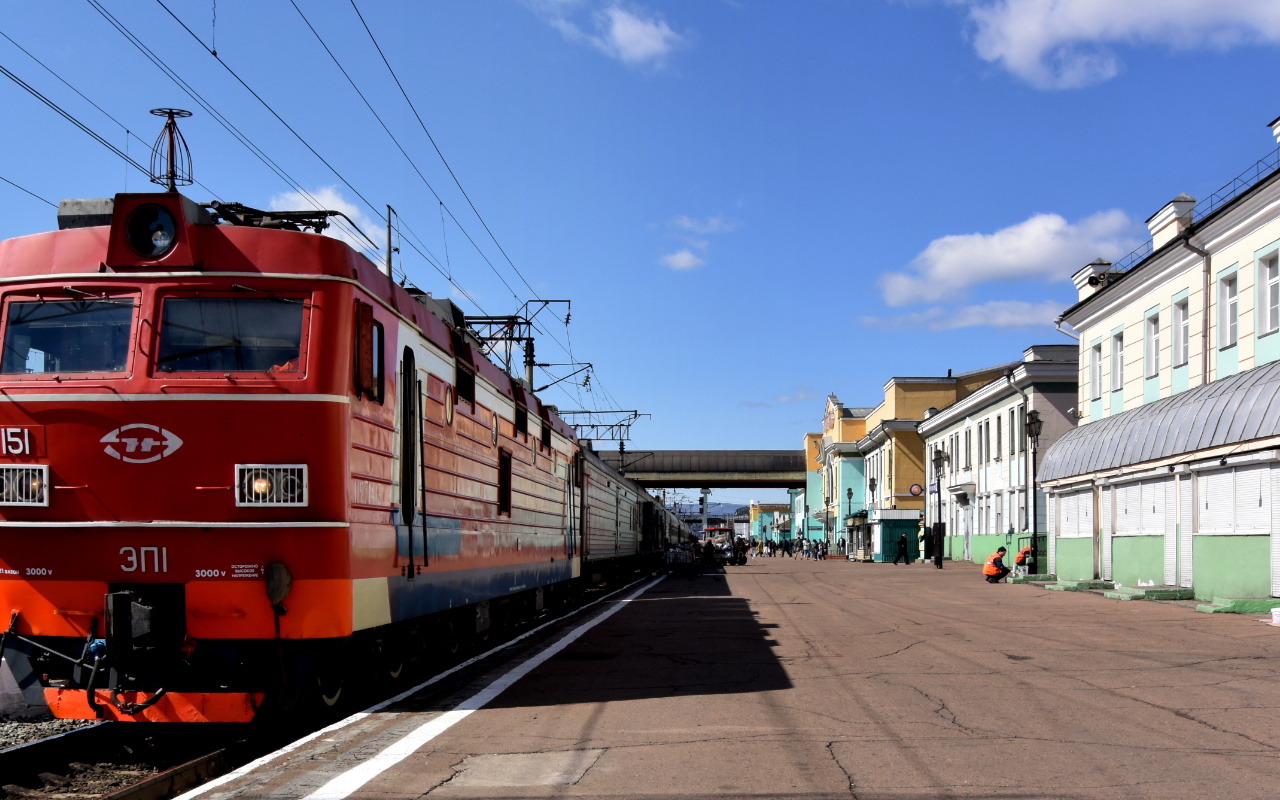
<point>1274,125</point>
<point>1092,277</point>
<point>1170,221</point>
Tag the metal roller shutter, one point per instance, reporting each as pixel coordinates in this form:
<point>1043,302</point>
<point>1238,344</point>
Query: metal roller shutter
<point>1169,507</point>
<point>1215,499</point>
<point>1105,529</point>
<point>1128,508</point>
<point>1253,499</point>
<point>1153,505</point>
<point>1186,528</point>
<point>1275,532</point>
<point>1051,525</point>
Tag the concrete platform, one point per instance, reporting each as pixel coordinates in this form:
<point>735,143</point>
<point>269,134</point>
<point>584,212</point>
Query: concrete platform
<point>819,680</point>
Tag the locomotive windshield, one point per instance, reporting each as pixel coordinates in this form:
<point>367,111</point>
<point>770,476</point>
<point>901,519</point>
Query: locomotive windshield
<point>224,334</point>
<point>67,336</point>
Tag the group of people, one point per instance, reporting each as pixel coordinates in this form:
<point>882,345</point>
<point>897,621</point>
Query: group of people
<point>994,569</point>
<point>805,549</point>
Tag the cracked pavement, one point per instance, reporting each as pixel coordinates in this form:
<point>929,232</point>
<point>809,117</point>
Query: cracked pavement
<point>785,678</point>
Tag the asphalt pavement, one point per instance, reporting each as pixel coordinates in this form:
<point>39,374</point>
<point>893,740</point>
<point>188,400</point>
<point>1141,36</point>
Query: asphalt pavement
<point>786,678</point>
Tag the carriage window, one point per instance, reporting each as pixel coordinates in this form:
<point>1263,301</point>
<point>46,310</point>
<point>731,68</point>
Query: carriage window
<point>224,334</point>
<point>67,336</point>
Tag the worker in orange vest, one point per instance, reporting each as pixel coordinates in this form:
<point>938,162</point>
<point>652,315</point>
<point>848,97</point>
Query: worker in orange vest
<point>1024,555</point>
<point>994,569</point>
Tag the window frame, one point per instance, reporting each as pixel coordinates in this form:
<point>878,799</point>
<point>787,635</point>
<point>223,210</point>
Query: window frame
<point>1095,371</point>
<point>26,295</point>
<point>1270,283</point>
<point>1151,346</point>
<point>304,343</point>
<point>1181,332</point>
<point>1228,312</point>
<point>1117,362</point>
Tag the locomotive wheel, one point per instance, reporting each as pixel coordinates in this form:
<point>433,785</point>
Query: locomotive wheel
<point>449,638</point>
<point>329,685</point>
<point>331,695</point>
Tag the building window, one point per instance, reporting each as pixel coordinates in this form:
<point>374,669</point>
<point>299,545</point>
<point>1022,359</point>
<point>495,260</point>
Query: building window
<point>1271,278</point>
<point>1153,345</point>
<point>1095,372</point>
<point>1022,511</point>
<point>1117,362</point>
<point>968,448</point>
<point>1181,333</point>
<point>1022,429</point>
<point>986,442</point>
<point>1228,316</point>
<point>999,447</point>
<point>1013,426</point>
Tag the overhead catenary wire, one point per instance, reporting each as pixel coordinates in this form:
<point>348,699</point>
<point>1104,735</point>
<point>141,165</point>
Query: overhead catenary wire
<point>28,191</point>
<point>418,246</point>
<point>400,147</point>
<point>226,124</point>
<point>444,161</point>
<point>128,133</point>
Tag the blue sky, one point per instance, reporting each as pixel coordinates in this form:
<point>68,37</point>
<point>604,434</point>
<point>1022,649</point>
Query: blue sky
<point>751,204</point>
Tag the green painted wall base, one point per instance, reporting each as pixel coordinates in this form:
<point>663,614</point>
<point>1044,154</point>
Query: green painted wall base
<point>1050,578</point>
<point>1231,566</point>
<point>1239,605</point>
<point>1074,560</point>
<point>1137,559</point>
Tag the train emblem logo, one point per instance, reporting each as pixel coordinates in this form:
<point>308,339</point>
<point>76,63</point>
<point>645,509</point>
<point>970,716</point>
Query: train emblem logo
<point>138,443</point>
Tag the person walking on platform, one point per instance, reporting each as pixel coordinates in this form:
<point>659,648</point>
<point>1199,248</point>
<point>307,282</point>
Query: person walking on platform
<point>903,552</point>
<point>806,549</point>
<point>994,569</point>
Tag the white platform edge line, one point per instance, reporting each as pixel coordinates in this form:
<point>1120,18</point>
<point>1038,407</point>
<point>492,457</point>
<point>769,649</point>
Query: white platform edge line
<point>342,723</point>
<point>347,783</point>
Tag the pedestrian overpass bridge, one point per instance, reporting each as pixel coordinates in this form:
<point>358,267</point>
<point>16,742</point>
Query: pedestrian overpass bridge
<point>720,469</point>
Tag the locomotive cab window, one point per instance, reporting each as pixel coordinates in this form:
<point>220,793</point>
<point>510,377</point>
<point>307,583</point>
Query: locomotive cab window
<point>370,339</point>
<point>231,334</point>
<point>67,335</point>
<point>546,434</point>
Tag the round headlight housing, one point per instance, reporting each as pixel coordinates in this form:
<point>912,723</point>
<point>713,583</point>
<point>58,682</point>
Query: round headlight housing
<point>151,231</point>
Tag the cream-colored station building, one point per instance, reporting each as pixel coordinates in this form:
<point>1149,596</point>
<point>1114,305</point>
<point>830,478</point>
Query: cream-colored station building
<point>1173,475</point>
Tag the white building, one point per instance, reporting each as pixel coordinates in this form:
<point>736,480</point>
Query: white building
<point>986,498</point>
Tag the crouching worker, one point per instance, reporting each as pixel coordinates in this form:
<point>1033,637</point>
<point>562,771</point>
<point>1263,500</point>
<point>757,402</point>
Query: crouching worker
<point>1024,559</point>
<point>994,569</point>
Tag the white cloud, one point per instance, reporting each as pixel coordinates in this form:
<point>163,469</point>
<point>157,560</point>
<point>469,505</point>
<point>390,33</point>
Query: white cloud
<point>329,198</point>
<point>707,225</point>
<point>1044,247</point>
<point>682,260</point>
<point>797,397</point>
<point>993,314</point>
<point>632,35</point>
<point>691,232</point>
<point>1062,44</point>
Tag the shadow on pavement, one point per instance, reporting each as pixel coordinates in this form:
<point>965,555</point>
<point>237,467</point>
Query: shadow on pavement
<point>682,637</point>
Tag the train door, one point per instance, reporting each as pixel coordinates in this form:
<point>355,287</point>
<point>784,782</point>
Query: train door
<point>617,519</point>
<point>411,484</point>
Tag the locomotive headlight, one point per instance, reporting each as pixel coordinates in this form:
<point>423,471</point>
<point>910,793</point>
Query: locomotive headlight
<point>261,484</point>
<point>151,231</point>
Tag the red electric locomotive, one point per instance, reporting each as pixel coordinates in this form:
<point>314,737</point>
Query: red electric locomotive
<point>239,464</point>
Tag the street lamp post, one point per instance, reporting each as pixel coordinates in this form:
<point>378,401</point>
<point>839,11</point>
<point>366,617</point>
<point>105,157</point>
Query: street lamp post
<point>849,494</point>
<point>939,527</point>
<point>871,485</point>
<point>1034,427</point>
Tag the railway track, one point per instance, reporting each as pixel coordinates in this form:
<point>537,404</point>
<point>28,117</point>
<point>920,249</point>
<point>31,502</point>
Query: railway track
<point>127,761</point>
